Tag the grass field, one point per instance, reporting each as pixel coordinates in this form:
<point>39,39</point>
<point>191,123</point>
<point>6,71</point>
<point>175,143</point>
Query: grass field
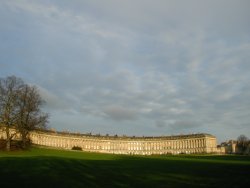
<point>54,168</point>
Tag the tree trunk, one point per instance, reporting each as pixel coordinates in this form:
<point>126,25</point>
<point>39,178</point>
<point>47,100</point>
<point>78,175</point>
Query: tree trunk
<point>24,139</point>
<point>8,139</point>
<point>24,142</point>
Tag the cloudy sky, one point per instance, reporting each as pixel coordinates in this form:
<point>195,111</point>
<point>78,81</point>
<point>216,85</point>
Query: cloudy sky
<point>134,67</point>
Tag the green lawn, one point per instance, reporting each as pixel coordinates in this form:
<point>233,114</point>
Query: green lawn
<point>54,168</point>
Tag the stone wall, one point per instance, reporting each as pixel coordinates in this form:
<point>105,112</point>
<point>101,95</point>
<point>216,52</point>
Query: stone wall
<point>194,143</point>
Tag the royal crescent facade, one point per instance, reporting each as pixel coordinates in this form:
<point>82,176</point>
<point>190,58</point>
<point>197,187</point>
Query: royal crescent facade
<point>193,143</point>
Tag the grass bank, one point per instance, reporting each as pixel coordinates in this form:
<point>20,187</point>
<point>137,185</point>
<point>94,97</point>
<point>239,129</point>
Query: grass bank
<point>55,168</point>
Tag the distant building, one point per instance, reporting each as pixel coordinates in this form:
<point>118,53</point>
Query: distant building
<point>229,147</point>
<point>232,147</point>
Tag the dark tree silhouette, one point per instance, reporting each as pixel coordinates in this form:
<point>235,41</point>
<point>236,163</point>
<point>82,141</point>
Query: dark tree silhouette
<point>30,116</point>
<point>20,109</point>
<point>9,90</point>
<point>242,143</point>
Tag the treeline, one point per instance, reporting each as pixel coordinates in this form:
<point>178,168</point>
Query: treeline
<point>20,109</point>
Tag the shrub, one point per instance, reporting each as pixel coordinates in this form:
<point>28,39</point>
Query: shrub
<point>76,148</point>
<point>15,145</point>
<point>2,144</point>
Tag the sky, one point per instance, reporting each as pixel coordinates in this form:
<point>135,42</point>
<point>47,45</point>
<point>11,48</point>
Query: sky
<point>134,67</point>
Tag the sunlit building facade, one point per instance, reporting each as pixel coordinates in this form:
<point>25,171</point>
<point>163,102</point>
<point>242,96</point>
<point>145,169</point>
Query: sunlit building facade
<point>188,144</point>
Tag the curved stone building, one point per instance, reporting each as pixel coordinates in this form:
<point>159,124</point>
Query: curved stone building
<point>193,143</point>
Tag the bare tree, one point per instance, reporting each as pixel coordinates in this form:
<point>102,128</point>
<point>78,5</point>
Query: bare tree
<point>30,116</point>
<point>20,109</point>
<point>9,90</point>
<point>242,143</point>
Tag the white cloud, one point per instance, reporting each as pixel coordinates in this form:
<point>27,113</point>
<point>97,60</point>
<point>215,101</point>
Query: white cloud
<point>133,66</point>
<point>53,102</point>
<point>119,113</point>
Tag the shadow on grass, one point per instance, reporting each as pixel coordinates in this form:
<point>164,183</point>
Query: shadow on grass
<point>43,171</point>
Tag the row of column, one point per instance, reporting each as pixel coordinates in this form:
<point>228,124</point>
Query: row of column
<point>112,145</point>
